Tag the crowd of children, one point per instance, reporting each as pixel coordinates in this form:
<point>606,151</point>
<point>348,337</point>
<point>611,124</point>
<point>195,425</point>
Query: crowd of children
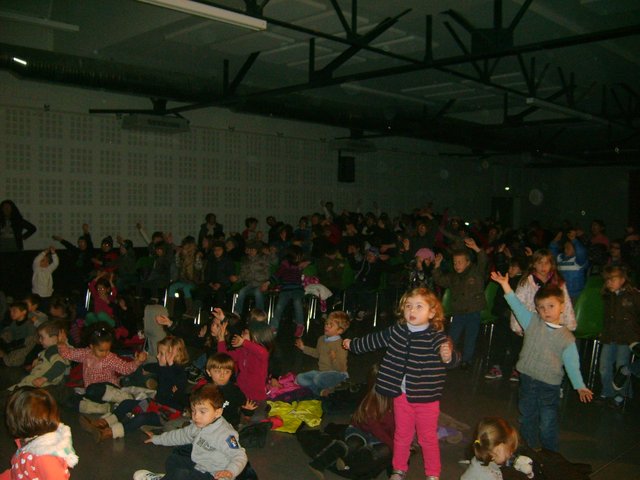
<point>226,386</point>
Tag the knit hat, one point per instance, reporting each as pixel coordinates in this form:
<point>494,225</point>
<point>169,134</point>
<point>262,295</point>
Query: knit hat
<point>425,253</point>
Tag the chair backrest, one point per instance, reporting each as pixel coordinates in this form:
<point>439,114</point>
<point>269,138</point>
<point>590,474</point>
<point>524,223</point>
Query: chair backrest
<point>490,292</point>
<point>594,281</point>
<point>446,302</point>
<point>310,270</point>
<point>589,309</point>
<point>348,276</point>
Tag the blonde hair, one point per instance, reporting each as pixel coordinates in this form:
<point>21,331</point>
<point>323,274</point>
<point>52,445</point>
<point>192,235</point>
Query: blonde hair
<point>555,278</point>
<point>257,315</point>
<point>221,360</point>
<point>491,432</point>
<point>430,298</point>
<point>340,319</point>
<point>176,344</point>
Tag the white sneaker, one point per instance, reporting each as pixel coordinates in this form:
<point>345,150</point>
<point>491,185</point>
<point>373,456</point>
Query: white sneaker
<point>147,475</point>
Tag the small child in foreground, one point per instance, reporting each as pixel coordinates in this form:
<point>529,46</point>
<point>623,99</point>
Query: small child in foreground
<point>548,346</point>
<point>413,373</point>
<point>495,443</point>
<point>216,451</point>
<point>45,448</point>
<point>332,358</point>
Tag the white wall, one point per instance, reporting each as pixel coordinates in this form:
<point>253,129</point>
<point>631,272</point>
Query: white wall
<point>63,166</point>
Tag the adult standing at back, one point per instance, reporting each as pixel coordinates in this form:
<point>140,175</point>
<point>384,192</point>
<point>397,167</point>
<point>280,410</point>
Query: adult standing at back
<point>14,229</point>
<point>210,227</point>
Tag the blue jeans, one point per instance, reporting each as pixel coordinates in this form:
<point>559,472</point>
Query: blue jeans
<point>135,422</point>
<point>469,323</point>
<point>612,357</point>
<point>245,292</point>
<point>180,467</point>
<point>538,406</point>
<point>284,297</point>
<point>316,381</point>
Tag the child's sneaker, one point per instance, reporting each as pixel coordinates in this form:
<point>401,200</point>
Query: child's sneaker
<point>515,376</point>
<point>619,379</point>
<point>616,402</point>
<point>493,373</point>
<point>299,331</point>
<point>398,475</point>
<point>147,475</point>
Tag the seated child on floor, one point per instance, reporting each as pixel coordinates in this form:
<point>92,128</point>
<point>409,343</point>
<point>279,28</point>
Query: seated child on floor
<point>19,338</point>
<point>36,316</point>
<point>251,351</point>
<point>101,369</point>
<point>495,442</point>
<point>168,404</point>
<point>332,358</point>
<point>45,448</point>
<point>49,368</point>
<point>220,368</point>
<point>216,451</point>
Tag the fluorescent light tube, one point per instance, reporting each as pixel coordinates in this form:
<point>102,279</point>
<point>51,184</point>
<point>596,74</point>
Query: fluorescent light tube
<point>211,13</point>
<point>20,61</point>
<point>42,22</point>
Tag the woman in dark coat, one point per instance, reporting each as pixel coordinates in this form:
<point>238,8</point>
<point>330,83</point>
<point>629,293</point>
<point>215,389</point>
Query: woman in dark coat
<point>14,229</point>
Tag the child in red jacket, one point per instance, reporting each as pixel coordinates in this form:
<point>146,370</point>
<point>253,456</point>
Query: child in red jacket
<point>45,448</point>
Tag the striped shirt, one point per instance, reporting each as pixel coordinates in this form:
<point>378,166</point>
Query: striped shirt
<point>411,356</point>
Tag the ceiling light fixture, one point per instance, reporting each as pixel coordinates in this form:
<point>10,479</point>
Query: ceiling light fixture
<point>552,107</point>
<point>211,13</point>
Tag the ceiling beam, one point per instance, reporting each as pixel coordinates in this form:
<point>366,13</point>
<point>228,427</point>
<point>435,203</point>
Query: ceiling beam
<point>565,42</point>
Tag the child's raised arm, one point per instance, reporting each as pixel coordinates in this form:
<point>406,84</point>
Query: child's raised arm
<point>503,280</point>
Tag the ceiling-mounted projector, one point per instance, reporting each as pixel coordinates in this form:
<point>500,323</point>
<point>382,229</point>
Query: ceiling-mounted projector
<point>155,123</point>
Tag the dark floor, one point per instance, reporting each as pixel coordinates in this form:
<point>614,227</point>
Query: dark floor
<point>607,439</point>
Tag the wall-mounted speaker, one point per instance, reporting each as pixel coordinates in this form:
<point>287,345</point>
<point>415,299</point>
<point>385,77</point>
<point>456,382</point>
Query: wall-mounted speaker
<point>346,169</point>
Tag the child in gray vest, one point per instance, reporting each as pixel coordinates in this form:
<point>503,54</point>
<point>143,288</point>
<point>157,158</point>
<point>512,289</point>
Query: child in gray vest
<point>548,346</point>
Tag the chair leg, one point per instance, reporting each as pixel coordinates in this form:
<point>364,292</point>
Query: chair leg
<point>375,311</point>
<point>234,299</point>
<point>593,364</point>
<point>87,300</point>
<point>312,310</point>
<point>272,307</point>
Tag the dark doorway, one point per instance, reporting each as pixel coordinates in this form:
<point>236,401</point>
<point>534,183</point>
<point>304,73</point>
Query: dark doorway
<point>502,210</point>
